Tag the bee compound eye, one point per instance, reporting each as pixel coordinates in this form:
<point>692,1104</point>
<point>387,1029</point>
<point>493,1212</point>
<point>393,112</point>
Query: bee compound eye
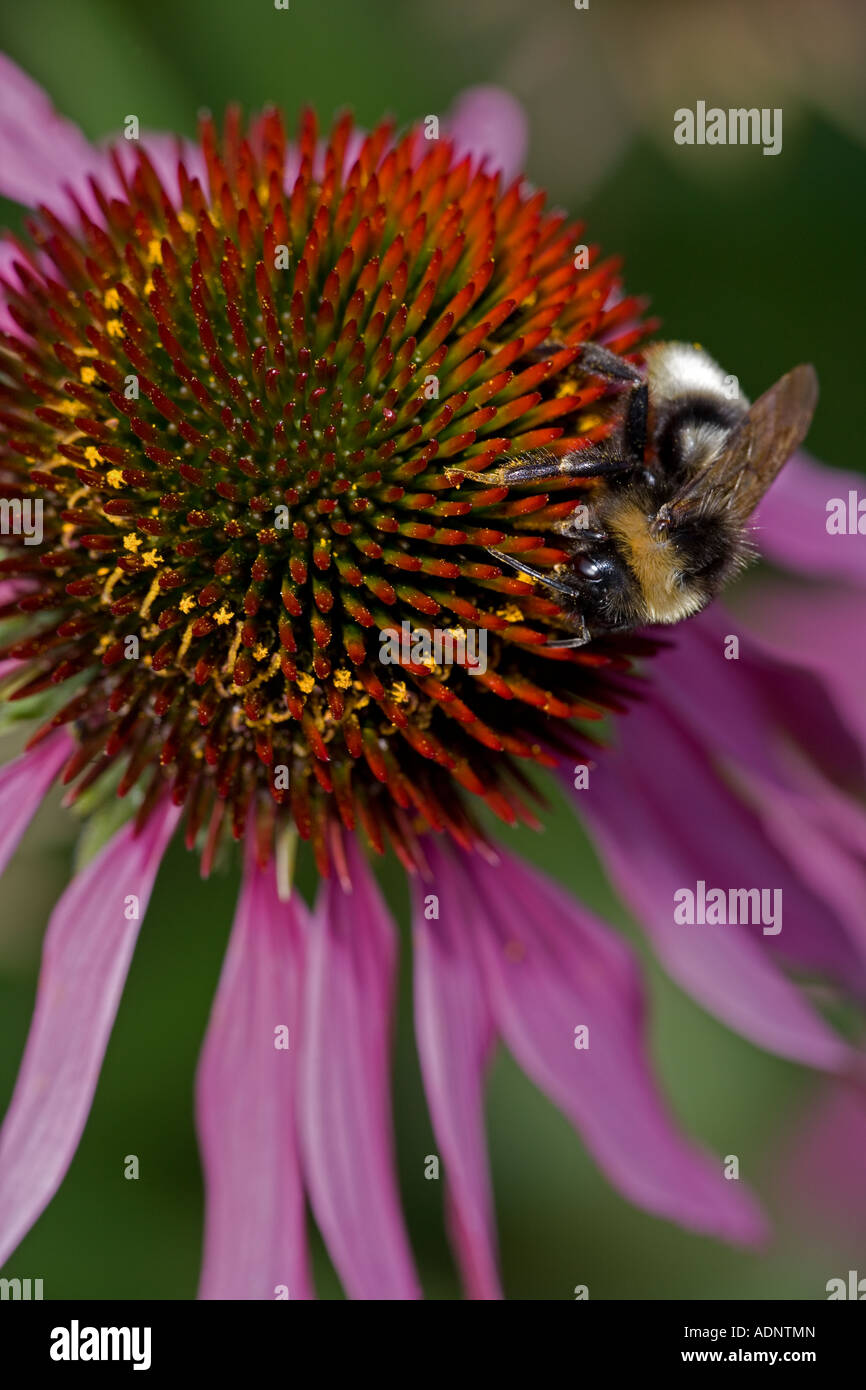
<point>588,568</point>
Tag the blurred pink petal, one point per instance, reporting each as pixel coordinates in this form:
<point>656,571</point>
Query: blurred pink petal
<point>44,156</point>
<point>663,819</point>
<point>819,629</point>
<point>549,968</point>
<point>255,1237</point>
<point>40,151</point>
<point>23,784</point>
<point>792,522</point>
<point>345,1111</point>
<point>490,123</point>
<point>86,955</point>
<point>822,1167</point>
<point>454,1032</point>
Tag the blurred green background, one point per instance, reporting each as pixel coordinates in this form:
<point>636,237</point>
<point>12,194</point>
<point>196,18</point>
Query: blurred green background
<point>761,259</point>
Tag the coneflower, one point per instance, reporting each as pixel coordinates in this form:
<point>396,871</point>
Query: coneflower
<point>252,385</point>
<point>248,402</point>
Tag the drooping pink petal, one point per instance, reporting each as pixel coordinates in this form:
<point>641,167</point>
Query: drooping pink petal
<point>489,123</point>
<point>255,1238</point>
<point>771,725</point>
<point>23,784</point>
<point>345,1110</point>
<point>40,151</point>
<point>86,954</point>
<point>792,522</point>
<point>551,969</point>
<point>663,821</point>
<point>454,1032</point>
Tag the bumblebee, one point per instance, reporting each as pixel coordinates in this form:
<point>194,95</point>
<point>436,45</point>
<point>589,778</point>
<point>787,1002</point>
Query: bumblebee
<point>665,525</point>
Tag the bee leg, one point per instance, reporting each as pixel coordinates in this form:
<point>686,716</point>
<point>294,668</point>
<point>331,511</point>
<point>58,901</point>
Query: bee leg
<point>600,361</point>
<point>540,465</point>
<point>634,429</point>
<point>581,633</point>
<point>580,639</point>
<point>571,589</point>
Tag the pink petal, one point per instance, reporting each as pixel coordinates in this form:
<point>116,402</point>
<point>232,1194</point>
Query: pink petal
<point>255,1237</point>
<point>550,967</point>
<point>345,1113</point>
<point>86,954</point>
<point>23,784</point>
<point>489,123</point>
<point>40,151</point>
<point>663,819</point>
<point>792,522</point>
<point>823,1163</point>
<point>757,717</point>
<point>43,156</point>
<point>821,630</point>
<point>454,1032</point>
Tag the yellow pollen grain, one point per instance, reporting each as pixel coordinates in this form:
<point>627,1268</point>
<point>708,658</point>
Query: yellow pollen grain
<point>114,328</point>
<point>223,616</point>
<point>511,613</point>
<point>260,652</point>
<point>132,542</point>
<point>187,603</point>
<point>151,558</point>
<point>305,682</point>
<point>342,679</point>
<point>187,221</point>
<point>148,286</point>
<point>398,692</point>
<point>111,299</point>
<point>114,477</point>
<point>92,454</point>
<point>154,252</point>
<point>88,375</point>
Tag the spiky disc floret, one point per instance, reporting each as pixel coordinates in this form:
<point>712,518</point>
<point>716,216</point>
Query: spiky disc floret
<point>249,404</point>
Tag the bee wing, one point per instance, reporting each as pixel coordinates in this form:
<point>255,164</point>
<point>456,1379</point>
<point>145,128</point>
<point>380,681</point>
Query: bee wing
<point>776,424</point>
